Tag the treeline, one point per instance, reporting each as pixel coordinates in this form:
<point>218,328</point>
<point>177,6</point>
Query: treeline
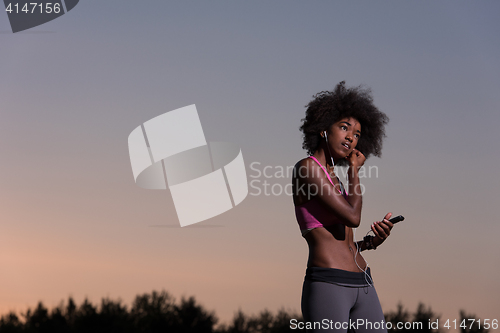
<point>149,313</point>
<point>159,312</point>
<point>424,320</point>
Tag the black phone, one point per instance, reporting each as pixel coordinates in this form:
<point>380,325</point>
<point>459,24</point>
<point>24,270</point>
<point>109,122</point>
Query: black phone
<point>396,219</point>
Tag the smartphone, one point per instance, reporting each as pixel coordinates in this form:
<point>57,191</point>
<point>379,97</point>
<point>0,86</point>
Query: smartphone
<point>397,219</point>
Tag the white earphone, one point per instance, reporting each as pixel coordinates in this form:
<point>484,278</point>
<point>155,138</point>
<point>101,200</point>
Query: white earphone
<point>326,138</point>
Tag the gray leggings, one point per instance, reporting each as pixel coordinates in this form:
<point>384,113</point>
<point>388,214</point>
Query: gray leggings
<point>334,308</point>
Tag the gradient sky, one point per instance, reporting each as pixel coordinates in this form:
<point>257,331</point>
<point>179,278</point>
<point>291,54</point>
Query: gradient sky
<point>74,223</point>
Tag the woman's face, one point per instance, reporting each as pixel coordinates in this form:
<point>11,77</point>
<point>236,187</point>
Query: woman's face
<point>343,137</point>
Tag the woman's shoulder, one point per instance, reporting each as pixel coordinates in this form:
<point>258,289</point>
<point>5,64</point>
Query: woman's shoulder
<point>304,165</point>
<point>304,162</point>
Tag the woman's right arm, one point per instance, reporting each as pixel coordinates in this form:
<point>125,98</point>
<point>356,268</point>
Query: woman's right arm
<point>315,184</point>
<point>356,160</point>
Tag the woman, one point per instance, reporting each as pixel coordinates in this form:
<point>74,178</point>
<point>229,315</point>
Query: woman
<point>341,127</point>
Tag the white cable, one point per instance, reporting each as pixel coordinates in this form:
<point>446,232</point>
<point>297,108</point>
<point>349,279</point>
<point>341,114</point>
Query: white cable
<point>327,146</point>
<point>367,277</point>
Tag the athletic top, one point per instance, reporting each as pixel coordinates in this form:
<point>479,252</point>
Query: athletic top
<point>313,214</point>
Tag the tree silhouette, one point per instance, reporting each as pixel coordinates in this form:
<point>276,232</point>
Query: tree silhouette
<point>113,318</point>
<point>425,316</point>
<point>282,321</point>
<point>158,312</point>
<point>239,324</point>
<point>84,318</point>
<point>264,322</point>
<point>401,315</point>
<point>10,323</point>
<point>402,321</point>
<point>193,318</point>
<point>38,320</point>
<point>155,312</point>
<point>471,324</point>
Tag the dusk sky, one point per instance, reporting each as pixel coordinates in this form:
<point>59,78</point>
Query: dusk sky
<point>74,223</point>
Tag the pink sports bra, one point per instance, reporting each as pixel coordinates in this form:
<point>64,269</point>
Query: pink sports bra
<point>313,214</point>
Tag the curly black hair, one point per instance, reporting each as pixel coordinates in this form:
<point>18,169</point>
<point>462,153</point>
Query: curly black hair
<point>328,107</point>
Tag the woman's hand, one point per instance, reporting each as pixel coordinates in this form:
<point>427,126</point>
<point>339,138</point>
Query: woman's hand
<point>382,230</point>
<point>356,159</point>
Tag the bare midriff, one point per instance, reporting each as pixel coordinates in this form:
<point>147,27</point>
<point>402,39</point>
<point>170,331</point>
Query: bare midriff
<point>333,247</point>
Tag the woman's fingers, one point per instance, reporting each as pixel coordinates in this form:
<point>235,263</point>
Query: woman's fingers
<point>378,231</point>
<point>382,229</point>
<point>356,158</point>
<point>387,224</point>
<point>387,216</point>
